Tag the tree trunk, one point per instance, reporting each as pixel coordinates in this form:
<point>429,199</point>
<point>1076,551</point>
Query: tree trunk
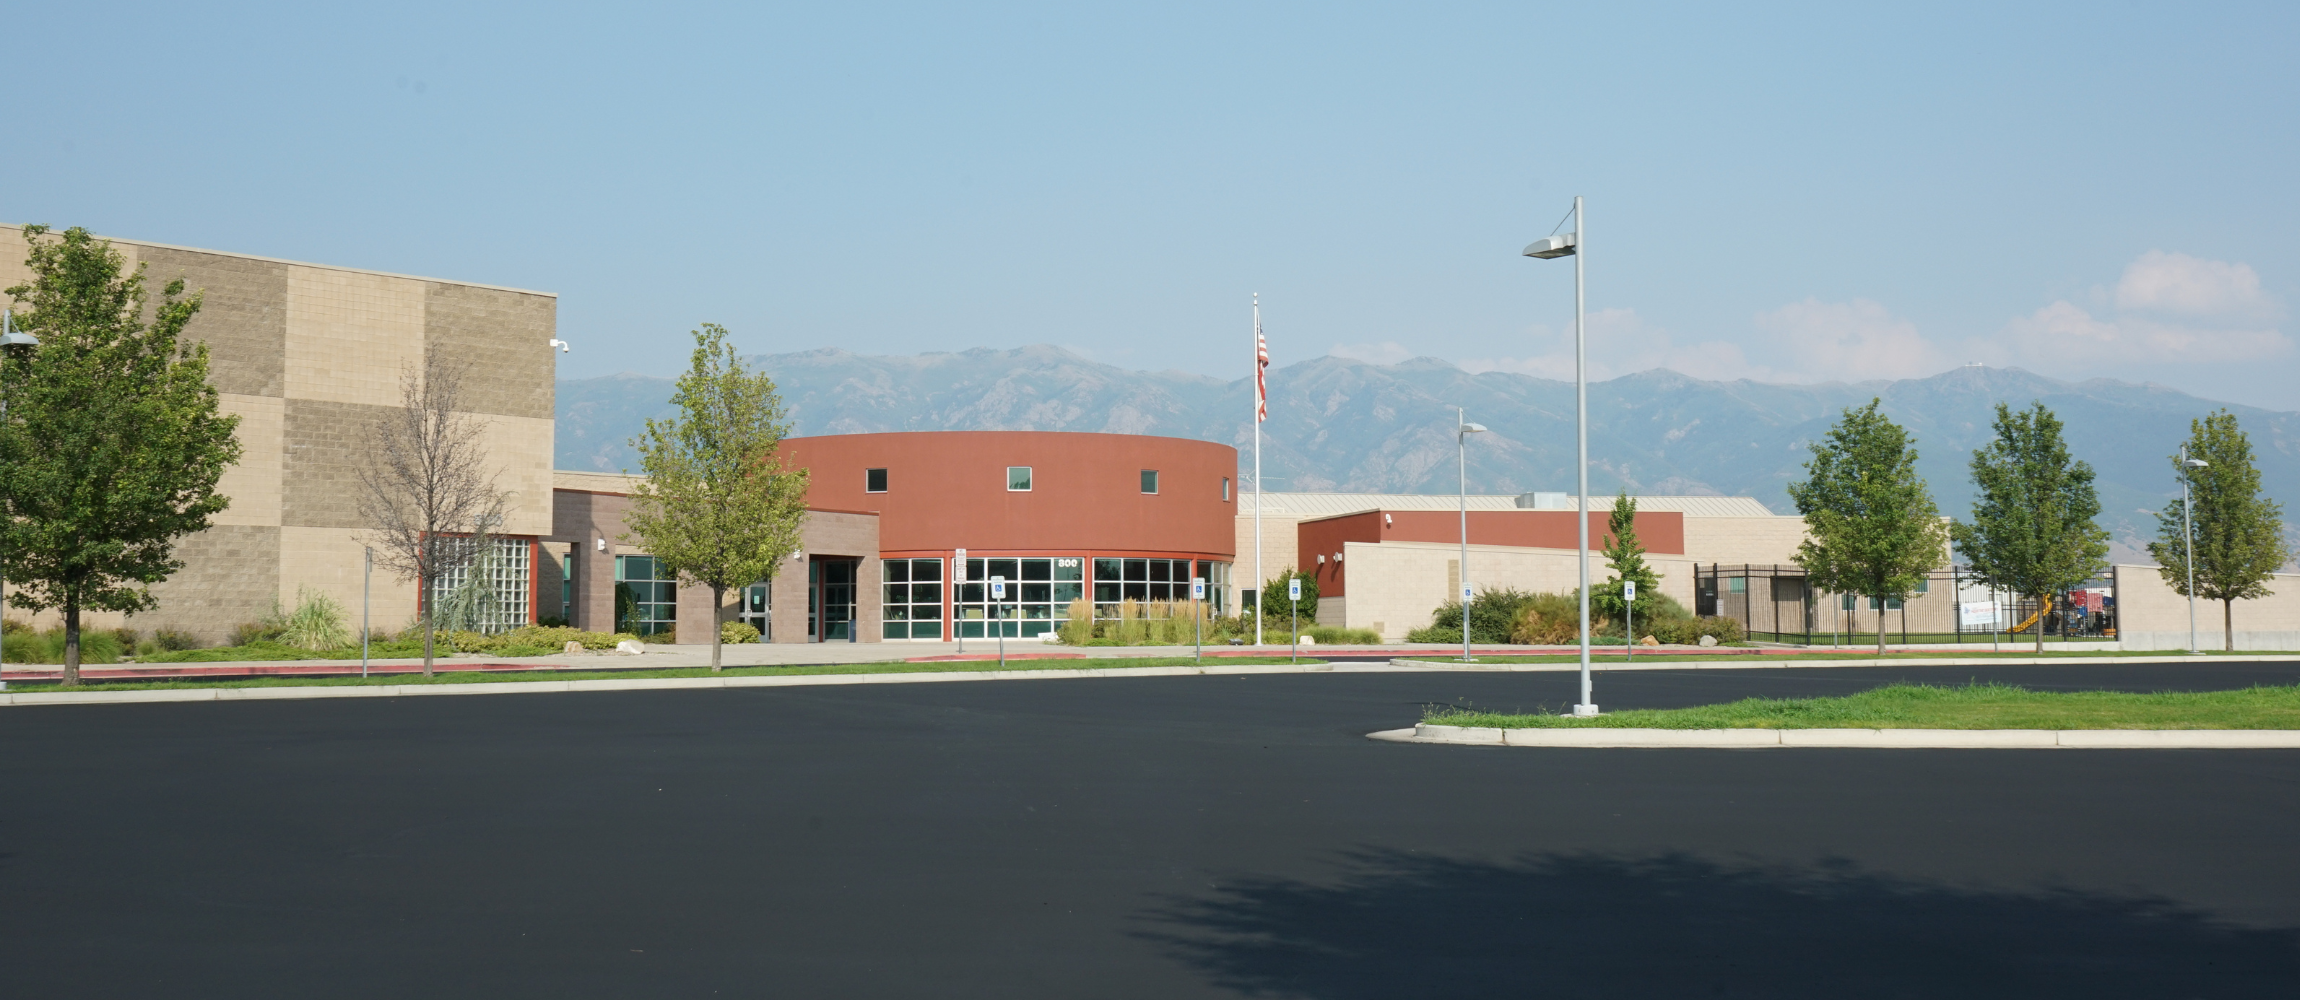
<point>718,604</point>
<point>2228,624</point>
<point>71,640</point>
<point>1880,626</point>
<point>429,627</point>
<point>2036,631</point>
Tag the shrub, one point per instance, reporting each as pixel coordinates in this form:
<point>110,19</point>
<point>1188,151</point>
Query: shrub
<point>1450,634</point>
<point>1688,631</point>
<point>733,632</point>
<point>47,646</point>
<point>171,640</point>
<point>15,626</point>
<point>127,637</point>
<point>316,624</point>
<point>1077,627</point>
<point>1336,635</point>
<point>1493,615</point>
<point>250,633</point>
<point>551,621</point>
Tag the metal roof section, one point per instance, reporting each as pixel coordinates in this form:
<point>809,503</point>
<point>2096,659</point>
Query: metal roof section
<point>1312,505</point>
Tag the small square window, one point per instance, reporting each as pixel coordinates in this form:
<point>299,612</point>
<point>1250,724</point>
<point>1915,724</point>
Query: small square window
<point>874,480</point>
<point>1149,480</point>
<point>1018,479</point>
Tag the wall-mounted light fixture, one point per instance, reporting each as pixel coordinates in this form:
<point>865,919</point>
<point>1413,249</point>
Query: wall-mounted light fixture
<point>602,545</point>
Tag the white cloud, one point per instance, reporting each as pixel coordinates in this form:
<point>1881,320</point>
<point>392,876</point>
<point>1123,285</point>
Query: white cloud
<point>1388,352</point>
<point>1621,342</point>
<point>1851,341</point>
<point>2169,308</point>
<point>2179,283</point>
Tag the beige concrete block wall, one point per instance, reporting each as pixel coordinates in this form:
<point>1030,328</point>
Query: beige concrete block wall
<point>253,484</point>
<point>1753,541</point>
<point>330,561</point>
<point>350,335</point>
<point>2150,615</point>
<point>1281,538</point>
<point>521,448</point>
<point>1395,587</point>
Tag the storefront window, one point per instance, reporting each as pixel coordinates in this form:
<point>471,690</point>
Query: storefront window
<point>911,598</point>
<point>646,596</point>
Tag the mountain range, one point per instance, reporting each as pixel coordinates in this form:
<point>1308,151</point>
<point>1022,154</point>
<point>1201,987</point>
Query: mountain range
<point>1341,424</point>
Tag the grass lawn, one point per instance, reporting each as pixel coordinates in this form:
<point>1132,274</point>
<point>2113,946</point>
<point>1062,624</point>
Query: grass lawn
<point>1923,706</point>
<point>497,677</point>
<point>1672,656</point>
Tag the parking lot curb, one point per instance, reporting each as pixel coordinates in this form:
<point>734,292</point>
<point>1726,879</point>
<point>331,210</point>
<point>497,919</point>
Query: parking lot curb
<point>1895,739</point>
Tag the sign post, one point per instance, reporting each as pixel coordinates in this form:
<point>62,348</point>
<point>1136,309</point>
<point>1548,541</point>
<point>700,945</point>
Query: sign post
<point>1629,619</point>
<point>1198,615</point>
<point>957,599</point>
<point>1294,598</point>
<point>1465,658</point>
<point>998,603</point>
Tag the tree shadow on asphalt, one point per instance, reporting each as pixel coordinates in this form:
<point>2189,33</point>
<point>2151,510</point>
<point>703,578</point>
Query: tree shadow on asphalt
<point>1399,924</point>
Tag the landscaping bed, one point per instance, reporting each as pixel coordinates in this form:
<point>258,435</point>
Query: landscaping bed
<point>1924,706</point>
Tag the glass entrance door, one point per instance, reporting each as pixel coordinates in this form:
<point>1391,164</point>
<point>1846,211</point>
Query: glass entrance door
<point>758,610</point>
<point>831,599</point>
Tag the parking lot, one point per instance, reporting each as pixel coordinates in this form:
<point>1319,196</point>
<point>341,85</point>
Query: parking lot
<point>1155,837</point>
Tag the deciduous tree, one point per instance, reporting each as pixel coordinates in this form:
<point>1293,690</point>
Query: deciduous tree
<point>113,442</point>
<point>428,482</point>
<point>2240,540</point>
<point>1871,526</point>
<point>2032,531</point>
<point>717,506</point>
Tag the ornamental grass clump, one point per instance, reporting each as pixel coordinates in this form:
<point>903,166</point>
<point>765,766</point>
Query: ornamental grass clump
<point>316,623</point>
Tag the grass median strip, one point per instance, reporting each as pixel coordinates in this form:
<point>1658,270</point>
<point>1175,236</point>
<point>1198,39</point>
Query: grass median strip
<point>1925,706</point>
<point>500,677</point>
<point>1613,655</point>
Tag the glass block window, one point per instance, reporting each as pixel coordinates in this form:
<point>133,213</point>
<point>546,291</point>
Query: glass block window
<point>1149,480</point>
<point>1018,478</point>
<point>485,589</point>
<point>910,594</point>
<point>646,596</point>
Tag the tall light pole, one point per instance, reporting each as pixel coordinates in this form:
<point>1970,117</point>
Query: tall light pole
<point>10,337</point>
<point>2188,541</point>
<point>1462,430</point>
<point>1569,245</point>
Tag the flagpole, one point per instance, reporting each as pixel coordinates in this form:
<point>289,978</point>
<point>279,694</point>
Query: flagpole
<point>1258,363</point>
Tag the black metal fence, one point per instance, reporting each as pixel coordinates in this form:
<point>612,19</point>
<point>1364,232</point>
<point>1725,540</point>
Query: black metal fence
<point>1776,604</point>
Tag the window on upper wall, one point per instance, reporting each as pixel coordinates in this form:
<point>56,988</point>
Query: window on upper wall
<point>1149,480</point>
<point>1018,479</point>
<point>874,480</point>
<point>1225,489</point>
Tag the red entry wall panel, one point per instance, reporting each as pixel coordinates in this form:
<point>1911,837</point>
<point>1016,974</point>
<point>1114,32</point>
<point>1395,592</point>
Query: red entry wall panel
<point>1661,531</point>
<point>947,489</point>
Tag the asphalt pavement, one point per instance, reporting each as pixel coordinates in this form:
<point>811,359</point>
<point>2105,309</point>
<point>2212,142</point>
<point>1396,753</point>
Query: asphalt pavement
<point>1155,837</point>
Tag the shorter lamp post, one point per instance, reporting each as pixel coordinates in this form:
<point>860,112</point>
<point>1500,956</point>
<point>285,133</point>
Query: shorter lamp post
<point>1462,430</point>
<point>11,337</point>
<point>2188,542</point>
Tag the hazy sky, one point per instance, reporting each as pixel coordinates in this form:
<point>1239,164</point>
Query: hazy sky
<point>1789,193</point>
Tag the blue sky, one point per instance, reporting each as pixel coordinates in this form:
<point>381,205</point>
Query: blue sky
<point>1794,193</point>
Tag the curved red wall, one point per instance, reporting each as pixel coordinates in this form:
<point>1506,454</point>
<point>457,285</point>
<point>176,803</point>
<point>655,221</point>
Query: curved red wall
<point>947,489</point>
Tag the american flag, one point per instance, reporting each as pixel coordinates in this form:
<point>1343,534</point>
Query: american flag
<point>1261,365</point>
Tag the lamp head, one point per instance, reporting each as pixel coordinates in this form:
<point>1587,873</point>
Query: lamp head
<point>8,335</point>
<point>1555,246</point>
<point>2196,463</point>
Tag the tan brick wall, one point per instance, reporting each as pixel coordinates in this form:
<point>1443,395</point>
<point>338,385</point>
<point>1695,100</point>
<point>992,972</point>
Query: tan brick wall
<point>327,442</point>
<point>1396,586</point>
<point>2150,615</point>
<point>1753,541</point>
<point>350,335</point>
<point>505,339</point>
<point>242,317</point>
<point>231,575</point>
<point>253,484</point>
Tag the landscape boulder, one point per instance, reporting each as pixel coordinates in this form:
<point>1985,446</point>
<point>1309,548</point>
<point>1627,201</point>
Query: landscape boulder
<point>1708,640</point>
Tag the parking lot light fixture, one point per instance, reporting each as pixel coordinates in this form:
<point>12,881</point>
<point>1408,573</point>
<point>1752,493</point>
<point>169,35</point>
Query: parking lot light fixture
<point>12,337</point>
<point>1462,431</point>
<point>2188,542</point>
<point>1569,245</point>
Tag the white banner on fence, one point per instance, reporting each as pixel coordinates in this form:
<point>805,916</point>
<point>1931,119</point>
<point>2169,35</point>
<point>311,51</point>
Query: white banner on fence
<point>1977,613</point>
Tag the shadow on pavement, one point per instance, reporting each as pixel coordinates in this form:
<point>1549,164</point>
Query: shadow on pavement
<point>1399,924</point>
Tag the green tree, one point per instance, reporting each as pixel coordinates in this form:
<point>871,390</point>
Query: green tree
<point>2239,533</point>
<point>1274,598</point>
<point>717,506</point>
<point>1871,527</point>
<point>113,442</point>
<point>2032,531</point>
<point>1626,555</point>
